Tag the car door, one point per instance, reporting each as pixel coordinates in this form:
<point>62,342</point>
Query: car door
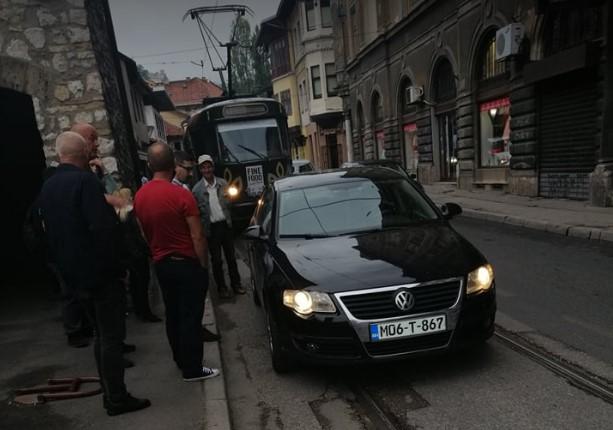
<point>259,258</point>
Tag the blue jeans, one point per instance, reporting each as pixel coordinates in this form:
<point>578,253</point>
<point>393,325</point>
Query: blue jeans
<point>184,285</point>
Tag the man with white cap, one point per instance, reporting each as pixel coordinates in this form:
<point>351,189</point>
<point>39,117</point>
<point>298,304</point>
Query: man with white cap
<point>210,193</point>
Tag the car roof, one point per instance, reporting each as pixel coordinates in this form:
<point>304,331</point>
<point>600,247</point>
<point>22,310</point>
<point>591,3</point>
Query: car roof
<point>312,179</point>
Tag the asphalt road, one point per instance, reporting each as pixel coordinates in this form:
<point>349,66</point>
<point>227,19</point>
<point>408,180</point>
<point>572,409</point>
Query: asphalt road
<point>562,287</point>
<point>490,387</point>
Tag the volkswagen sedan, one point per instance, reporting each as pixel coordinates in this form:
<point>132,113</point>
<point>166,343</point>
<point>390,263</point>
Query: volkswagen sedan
<point>359,265</point>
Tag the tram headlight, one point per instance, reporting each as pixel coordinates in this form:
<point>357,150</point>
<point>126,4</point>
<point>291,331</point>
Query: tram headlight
<point>232,191</point>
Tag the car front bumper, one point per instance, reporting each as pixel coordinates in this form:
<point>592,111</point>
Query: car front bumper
<point>341,338</point>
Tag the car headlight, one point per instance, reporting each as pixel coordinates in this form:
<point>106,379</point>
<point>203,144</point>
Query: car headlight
<point>232,191</point>
<point>480,279</point>
<point>306,302</point>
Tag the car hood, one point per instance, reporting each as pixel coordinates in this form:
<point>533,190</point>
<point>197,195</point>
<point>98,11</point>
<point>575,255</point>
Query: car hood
<point>390,257</point>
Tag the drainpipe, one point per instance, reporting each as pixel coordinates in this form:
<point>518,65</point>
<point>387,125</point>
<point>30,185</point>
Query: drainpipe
<point>348,137</point>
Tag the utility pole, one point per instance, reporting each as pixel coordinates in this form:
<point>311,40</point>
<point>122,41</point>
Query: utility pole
<point>239,10</point>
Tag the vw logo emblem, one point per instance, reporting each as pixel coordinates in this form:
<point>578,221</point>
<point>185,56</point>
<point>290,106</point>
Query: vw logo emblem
<point>404,300</point>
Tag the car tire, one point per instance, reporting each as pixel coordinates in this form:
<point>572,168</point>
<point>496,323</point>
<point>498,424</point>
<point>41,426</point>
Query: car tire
<point>281,362</point>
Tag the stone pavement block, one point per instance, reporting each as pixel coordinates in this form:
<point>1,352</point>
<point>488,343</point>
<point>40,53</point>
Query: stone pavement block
<point>582,232</point>
<point>515,220</point>
<point>536,224</point>
<point>606,235</point>
<point>217,417</point>
<point>558,228</point>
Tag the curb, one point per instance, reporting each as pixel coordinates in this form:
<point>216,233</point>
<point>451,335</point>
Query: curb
<point>590,233</point>
<point>217,412</point>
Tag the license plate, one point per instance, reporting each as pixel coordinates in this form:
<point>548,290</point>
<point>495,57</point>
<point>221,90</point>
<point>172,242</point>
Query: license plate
<point>407,328</point>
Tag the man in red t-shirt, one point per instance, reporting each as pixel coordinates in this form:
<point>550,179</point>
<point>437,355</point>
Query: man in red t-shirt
<point>171,222</point>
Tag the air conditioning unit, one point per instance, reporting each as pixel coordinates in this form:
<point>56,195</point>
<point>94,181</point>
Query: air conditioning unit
<point>508,40</point>
<point>414,94</point>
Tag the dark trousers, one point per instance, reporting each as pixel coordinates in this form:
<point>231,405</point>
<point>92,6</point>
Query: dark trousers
<point>106,312</point>
<point>220,237</point>
<point>184,284</point>
<point>76,323</point>
<point>139,286</point>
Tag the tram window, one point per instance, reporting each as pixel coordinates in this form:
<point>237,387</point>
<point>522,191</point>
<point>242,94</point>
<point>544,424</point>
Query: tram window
<point>243,141</point>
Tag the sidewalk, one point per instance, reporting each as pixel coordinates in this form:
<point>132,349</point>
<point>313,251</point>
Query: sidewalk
<point>566,217</point>
<point>33,349</point>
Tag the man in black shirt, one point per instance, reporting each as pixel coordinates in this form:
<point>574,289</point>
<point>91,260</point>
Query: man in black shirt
<point>83,234</point>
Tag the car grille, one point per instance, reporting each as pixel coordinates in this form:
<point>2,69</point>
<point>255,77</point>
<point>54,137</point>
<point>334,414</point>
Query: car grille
<point>380,304</point>
<point>411,344</point>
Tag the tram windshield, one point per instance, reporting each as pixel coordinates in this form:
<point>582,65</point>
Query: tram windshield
<point>244,141</point>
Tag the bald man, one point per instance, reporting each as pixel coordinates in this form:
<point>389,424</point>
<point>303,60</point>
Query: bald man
<point>90,134</point>
<point>83,237</point>
<point>170,220</point>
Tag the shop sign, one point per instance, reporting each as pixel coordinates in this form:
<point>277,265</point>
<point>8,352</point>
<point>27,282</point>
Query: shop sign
<point>495,104</point>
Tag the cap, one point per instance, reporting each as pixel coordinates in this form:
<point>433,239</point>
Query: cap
<point>203,158</point>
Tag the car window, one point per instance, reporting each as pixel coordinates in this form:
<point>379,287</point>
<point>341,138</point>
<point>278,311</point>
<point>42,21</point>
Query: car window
<point>306,168</point>
<point>351,206</point>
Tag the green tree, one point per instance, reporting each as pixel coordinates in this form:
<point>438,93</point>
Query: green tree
<point>144,73</point>
<point>261,67</point>
<point>242,60</point>
<point>250,65</point>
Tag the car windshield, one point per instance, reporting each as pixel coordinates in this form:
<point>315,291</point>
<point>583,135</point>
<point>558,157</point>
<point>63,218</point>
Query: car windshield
<point>249,140</point>
<point>351,206</point>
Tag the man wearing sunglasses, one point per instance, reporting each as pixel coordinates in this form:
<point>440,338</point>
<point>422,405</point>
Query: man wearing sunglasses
<point>184,169</point>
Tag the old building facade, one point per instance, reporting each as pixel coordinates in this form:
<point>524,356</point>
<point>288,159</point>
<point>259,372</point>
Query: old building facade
<point>301,42</point>
<point>422,84</point>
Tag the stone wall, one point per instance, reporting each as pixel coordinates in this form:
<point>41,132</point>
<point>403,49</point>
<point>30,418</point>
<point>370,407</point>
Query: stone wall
<point>46,51</point>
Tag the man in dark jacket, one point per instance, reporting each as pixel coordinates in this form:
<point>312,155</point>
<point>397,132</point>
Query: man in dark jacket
<point>82,234</point>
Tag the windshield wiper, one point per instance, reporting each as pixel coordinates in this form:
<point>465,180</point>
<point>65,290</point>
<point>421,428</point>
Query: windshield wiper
<point>257,154</point>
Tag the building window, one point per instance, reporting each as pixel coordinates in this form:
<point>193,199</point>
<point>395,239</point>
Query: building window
<point>309,7</point>
<point>279,57</point>
<point>377,119</point>
<point>495,123</point>
<point>444,84</point>
<point>411,153</point>
<point>316,81</point>
<point>569,24</point>
<point>286,100</point>
<point>326,15</point>
<point>331,84</point>
<point>489,66</point>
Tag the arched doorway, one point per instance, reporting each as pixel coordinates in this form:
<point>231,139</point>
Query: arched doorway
<point>22,162</point>
<point>408,127</point>
<point>444,90</point>
<point>376,110</point>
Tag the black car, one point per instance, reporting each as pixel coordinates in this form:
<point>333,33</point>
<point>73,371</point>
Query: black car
<point>358,264</point>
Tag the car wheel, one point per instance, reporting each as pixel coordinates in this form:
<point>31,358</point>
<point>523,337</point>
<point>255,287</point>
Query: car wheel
<point>280,358</point>
<point>256,298</point>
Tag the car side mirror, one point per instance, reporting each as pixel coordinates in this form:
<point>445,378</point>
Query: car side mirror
<point>254,232</point>
<point>451,210</point>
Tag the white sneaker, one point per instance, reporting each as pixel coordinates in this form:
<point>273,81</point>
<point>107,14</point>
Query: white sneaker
<point>207,372</point>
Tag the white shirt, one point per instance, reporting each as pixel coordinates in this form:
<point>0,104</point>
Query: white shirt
<point>216,211</point>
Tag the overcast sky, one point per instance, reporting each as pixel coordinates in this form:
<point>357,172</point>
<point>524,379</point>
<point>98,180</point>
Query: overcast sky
<point>152,32</point>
